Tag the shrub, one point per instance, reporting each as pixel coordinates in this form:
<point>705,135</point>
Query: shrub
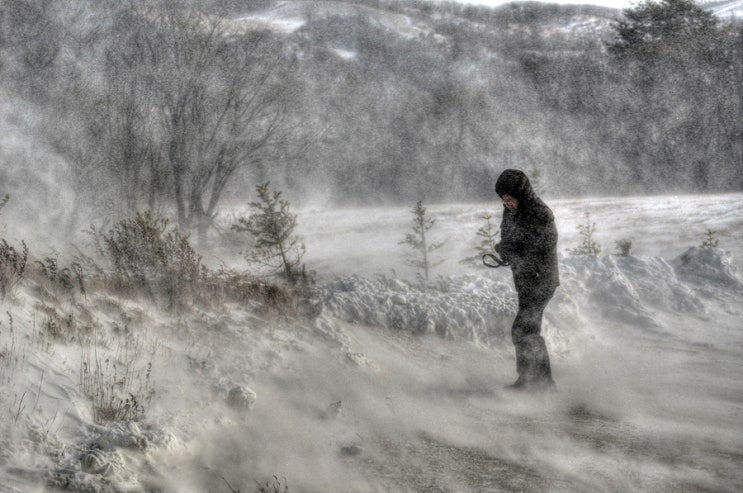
<point>623,247</point>
<point>146,253</point>
<point>588,245</point>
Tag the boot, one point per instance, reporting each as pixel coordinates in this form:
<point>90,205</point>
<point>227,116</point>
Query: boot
<point>519,384</point>
<point>522,365</point>
<point>532,365</point>
<point>542,370</point>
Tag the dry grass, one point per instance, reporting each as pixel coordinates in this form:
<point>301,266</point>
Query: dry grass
<point>145,260</point>
<point>118,392</point>
<point>12,266</point>
<point>226,286</point>
<point>74,324</point>
<point>8,347</point>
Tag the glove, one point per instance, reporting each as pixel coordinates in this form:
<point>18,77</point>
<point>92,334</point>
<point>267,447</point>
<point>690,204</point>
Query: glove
<point>503,259</point>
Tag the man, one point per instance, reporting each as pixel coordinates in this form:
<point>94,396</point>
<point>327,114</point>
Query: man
<point>529,245</point>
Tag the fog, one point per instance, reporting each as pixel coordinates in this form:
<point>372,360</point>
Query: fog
<point>356,104</point>
<point>645,353</point>
<point>372,382</point>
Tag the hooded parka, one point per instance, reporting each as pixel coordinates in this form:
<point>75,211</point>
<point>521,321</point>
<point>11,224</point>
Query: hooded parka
<point>529,245</point>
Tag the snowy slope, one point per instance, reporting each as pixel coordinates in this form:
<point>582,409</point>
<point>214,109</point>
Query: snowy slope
<point>723,10</point>
<point>288,16</point>
<point>390,387</point>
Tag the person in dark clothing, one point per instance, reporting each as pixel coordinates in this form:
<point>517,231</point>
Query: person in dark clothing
<point>529,245</point>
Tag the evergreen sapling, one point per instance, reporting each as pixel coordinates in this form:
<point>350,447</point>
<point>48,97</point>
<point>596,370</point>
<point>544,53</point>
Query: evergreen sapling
<point>487,234</point>
<point>272,224</point>
<point>420,243</point>
<point>588,245</point>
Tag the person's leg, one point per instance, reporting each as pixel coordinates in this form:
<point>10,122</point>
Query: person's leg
<point>539,370</point>
<point>532,358</point>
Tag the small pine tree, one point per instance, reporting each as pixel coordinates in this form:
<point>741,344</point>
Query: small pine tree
<point>588,245</point>
<point>487,234</point>
<point>272,224</point>
<point>419,242</point>
<point>710,239</point>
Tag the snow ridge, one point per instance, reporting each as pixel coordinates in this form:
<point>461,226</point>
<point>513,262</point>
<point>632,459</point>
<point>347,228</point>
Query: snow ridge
<point>470,307</point>
<point>480,308</point>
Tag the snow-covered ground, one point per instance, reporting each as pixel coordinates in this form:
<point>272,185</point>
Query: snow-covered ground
<point>365,241</point>
<point>391,387</point>
<point>289,16</point>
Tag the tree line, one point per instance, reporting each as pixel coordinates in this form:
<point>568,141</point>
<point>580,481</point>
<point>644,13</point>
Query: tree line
<point>174,106</point>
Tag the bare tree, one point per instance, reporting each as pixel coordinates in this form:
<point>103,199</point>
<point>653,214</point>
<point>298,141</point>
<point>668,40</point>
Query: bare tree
<point>221,103</point>
<point>191,100</point>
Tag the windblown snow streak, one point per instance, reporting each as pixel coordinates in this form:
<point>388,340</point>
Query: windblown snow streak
<point>395,387</point>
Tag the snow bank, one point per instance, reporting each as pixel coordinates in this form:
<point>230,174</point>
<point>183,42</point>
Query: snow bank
<point>708,266</point>
<point>472,307</point>
<point>240,395</point>
<point>626,289</point>
<point>481,307</point>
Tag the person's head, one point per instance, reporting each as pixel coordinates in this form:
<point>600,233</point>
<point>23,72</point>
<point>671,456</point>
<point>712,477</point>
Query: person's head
<point>513,187</point>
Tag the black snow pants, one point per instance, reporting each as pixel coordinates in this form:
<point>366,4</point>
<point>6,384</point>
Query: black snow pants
<point>532,358</point>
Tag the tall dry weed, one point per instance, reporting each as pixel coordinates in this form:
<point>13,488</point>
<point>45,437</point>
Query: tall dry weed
<point>12,266</point>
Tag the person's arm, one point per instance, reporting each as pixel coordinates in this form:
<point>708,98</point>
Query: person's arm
<point>541,241</point>
<point>507,248</point>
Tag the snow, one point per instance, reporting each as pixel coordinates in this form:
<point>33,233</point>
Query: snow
<point>733,9</point>
<point>345,54</point>
<point>288,17</point>
<point>396,386</point>
<point>285,25</point>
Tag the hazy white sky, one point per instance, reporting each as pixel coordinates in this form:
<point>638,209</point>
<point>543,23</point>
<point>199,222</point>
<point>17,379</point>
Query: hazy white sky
<point>619,4</point>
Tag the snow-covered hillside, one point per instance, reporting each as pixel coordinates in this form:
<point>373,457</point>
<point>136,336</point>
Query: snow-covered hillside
<point>385,386</point>
<point>288,16</point>
<point>720,8</point>
<point>724,10</point>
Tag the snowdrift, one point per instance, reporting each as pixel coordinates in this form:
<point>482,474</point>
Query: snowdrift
<point>480,308</point>
<point>388,377</point>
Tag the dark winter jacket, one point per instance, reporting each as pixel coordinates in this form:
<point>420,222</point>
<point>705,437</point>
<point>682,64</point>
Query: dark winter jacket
<point>528,237</point>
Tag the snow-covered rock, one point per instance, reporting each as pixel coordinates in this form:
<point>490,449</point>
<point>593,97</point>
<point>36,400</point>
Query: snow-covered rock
<point>132,435</point>
<point>241,397</point>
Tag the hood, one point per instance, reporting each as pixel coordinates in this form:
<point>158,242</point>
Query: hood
<point>514,183</point>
